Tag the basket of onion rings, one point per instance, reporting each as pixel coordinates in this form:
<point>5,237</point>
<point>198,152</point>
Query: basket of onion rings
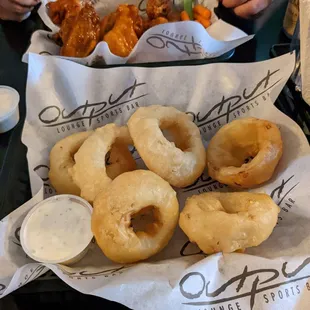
<point>188,192</point>
<point>97,33</point>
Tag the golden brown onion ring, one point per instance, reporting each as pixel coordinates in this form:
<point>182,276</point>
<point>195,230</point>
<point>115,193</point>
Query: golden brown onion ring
<point>128,195</point>
<point>244,153</point>
<point>90,172</point>
<point>61,160</point>
<point>227,222</point>
<point>179,163</point>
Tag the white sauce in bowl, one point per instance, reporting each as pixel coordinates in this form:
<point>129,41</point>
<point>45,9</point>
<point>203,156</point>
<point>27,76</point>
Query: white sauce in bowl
<point>57,229</point>
<point>6,102</point>
<point>9,112</point>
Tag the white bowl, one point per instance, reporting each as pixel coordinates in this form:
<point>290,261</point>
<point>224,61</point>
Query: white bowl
<point>9,112</point>
<point>57,230</point>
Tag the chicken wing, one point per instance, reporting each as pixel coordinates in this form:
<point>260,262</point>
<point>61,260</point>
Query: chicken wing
<point>59,10</point>
<point>107,24</point>
<point>124,35</point>
<point>158,8</point>
<point>158,21</point>
<point>108,21</point>
<point>174,16</point>
<point>80,33</point>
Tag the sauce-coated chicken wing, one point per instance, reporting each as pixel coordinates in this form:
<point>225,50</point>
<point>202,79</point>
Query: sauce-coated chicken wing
<point>59,10</point>
<point>124,34</point>
<point>80,33</point>
<point>158,8</point>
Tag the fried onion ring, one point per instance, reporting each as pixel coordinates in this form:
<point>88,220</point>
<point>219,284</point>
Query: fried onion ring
<point>244,153</point>
<point>227,222</point>
<point>128,195</point>
<point>61,160</point>
<point>90,172</point>
<point>179,163</point>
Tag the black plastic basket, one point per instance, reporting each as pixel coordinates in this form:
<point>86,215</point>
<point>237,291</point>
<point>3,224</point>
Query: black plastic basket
<point>290,100</point>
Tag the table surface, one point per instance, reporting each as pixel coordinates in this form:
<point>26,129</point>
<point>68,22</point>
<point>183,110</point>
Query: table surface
<point>14,40</point>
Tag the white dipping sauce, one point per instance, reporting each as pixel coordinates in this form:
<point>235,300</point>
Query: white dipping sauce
<point>9,113</point>
<point>6,101</point>
<point>58,230</point>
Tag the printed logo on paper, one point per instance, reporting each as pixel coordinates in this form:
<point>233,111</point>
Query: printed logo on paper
<point>91,113</point>
<point>87,275</point>
<point>260,283</point>
<point>236,106</point>
<point>42,171</point>
<point>180,42</point>
<point>280,195</point>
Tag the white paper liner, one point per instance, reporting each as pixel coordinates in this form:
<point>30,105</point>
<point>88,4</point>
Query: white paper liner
<point>64,97</point>
<point>168,42</point>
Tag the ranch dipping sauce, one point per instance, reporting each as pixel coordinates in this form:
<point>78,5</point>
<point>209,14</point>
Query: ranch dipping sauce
<point>6,101</point>
<point>57,230</point>
<point>9,113</point>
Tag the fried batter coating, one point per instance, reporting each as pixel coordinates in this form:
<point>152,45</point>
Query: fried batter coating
<point>245,152</point>
<point>62,159</point>
<point>91,171</point>
<point>129,195</point>
<point>227,222</point>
